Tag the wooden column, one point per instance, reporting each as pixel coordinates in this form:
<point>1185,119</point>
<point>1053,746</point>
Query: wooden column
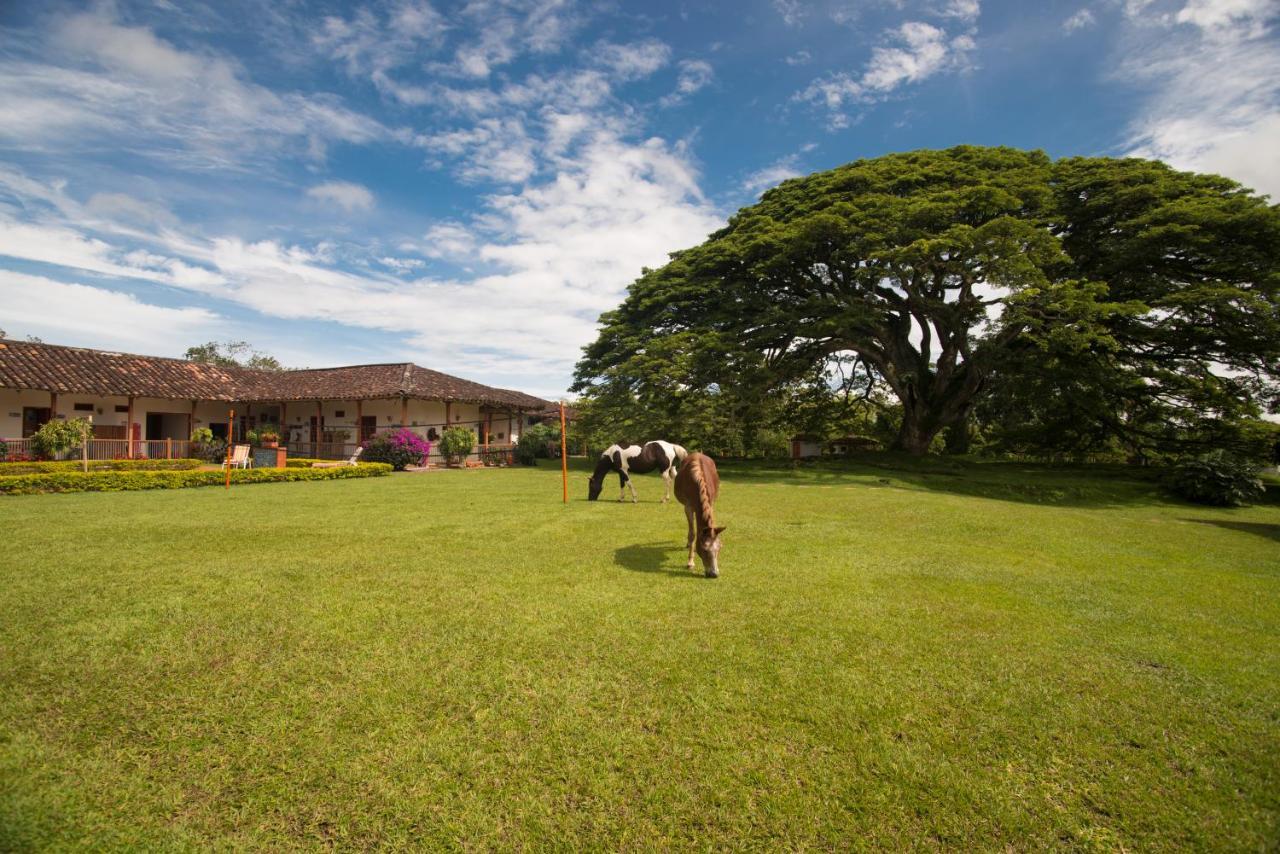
<point>128,430</point>
<point>448,413</point>
<point>319,427</point>
<point>191,423</point>
<point>359,423</point>
<point>284,422</point>
<point>404,412</point>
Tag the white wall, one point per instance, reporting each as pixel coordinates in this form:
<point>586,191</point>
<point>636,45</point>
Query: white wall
<point>297,415</point>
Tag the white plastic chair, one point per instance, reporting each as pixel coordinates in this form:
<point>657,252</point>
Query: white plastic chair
<point>240,457</point>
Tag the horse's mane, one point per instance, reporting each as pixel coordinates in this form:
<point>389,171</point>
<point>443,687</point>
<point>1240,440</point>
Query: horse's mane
<point>704,500</point>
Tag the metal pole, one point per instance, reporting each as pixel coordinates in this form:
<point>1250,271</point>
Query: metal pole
<point>231,438</point>
<point>564,457</point>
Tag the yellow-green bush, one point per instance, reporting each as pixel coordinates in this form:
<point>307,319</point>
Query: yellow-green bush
<point>55,467</point>
<point>119,481</point>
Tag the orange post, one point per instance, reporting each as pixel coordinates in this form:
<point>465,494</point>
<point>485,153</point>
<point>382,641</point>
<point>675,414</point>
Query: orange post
<point>564,457</point>
<point>231,439</point>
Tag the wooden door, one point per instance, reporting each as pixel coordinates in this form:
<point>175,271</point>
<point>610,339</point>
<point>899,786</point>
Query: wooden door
<point>33,418</point>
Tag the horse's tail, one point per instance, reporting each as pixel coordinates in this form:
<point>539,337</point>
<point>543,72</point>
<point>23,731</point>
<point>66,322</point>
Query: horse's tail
<point>681,453</point>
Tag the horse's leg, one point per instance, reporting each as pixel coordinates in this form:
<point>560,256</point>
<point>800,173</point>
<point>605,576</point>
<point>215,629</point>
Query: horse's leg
<point>622,486</point>
<point>688,514</point>
<point>631,483</point>
<point>666,484</point>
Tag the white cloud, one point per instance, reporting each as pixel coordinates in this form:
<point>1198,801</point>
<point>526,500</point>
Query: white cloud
<point>916,52</point>
<point>344,194</point>
<point>93,79</point>
<point>1244,17</point>
<point>800,57</point>
<point>1079,21</point>
<point>772,175</point>
<point>551,258</point>
<point>632,61</point>
<point>72,313</point>
<point>964,10</point>
<point>492,149</point>
<point>449,240</point>
<point>793,12</point>
<point>1213,71</point>
<point>695,74</point>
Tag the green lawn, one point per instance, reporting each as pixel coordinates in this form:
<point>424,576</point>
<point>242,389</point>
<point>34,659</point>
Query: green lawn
<point>972,656</point>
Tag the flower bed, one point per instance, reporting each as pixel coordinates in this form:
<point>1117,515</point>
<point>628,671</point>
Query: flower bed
<point>59,466</point>
<point>119,481</point>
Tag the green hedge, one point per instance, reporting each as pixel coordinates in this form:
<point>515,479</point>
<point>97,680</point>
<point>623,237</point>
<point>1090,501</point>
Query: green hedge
<point>303,462</point>
<point>118,481</point>
<point>56,467</point>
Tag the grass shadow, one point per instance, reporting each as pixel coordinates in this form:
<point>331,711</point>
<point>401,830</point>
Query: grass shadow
<point>1029,483</point>
<point>651,558</point>
<point>1262,529</point>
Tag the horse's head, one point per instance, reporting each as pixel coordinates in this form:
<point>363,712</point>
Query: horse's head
<point>594,485</point>
<point>708,547</point>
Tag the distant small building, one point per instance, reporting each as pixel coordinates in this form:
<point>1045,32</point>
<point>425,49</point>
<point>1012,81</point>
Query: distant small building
<point>851,444</point>
<point>806,447</point>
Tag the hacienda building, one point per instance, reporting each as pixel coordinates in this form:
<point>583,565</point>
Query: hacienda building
<point>322,412</point>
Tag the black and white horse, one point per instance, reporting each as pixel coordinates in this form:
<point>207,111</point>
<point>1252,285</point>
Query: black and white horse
<point>627,460</point>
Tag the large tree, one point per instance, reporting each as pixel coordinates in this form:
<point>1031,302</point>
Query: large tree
<point>232,354</point>
<point>936,268</point>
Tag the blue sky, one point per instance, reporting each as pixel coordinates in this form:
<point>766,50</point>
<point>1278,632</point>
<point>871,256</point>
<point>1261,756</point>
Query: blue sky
<point>468,185</point>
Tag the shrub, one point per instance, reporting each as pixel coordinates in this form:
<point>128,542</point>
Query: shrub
<point>1216,478</point>
<point>49,467</point>
<point>58,435</point>
<point>400,448</point>
<point>456,443</point>
<point>118,481</point>
<point>202,435</point>
<point>494,457</point>
<point>4,450</point>
<point>536,442</point>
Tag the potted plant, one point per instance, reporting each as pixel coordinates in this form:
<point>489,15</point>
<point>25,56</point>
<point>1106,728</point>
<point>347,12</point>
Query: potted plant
<point>269,436</point>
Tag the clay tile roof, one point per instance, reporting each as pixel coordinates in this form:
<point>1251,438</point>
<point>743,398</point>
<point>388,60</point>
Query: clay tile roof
<point>24,364</point>
<point>51,367</point>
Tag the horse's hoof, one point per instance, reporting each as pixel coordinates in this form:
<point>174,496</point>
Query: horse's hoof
<point>689,565</point>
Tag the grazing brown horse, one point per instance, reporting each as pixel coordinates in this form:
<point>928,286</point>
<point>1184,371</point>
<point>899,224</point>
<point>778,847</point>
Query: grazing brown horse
<point>697,485</point>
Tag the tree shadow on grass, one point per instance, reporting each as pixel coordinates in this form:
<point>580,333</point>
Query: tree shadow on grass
<point>1262,529</point>
<point>1027,483</point>
<point>656,558</point>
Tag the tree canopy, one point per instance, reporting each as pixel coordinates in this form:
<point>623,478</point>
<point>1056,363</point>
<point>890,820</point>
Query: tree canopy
<point>232,354</point>
<point>938,273</point>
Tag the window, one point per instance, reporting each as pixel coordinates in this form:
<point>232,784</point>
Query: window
<point>120,408</point>
<point>83,407</point>
<point>339,413</point>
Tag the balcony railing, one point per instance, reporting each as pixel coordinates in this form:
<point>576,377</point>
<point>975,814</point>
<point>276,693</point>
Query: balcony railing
<point>110,449</point>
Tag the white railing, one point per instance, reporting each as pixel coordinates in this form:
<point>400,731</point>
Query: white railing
<point>110,449</point>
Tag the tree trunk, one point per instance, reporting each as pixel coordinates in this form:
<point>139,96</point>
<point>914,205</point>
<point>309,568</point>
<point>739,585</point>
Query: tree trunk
<point>916,433</point>
<point>959,437</point>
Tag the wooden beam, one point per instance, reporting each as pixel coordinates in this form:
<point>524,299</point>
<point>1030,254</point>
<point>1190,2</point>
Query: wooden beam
<point>448,413</point>
<point>319,427</point>
<point>359,422</point>
<point>404,412</point>
<point>128,430</point>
